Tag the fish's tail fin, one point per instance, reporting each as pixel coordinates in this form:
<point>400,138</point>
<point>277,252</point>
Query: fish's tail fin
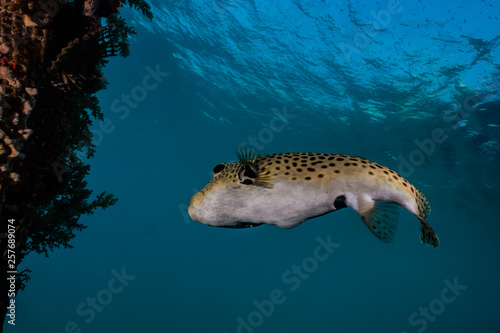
<point>428,236</point>
<point>424,208</point>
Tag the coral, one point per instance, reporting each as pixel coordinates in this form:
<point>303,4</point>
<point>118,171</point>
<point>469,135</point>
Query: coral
<point>51,59</point>
<point>101,8</point>
<point>12,94</point>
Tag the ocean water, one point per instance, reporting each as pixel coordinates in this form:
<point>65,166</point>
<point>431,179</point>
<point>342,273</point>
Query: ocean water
<point>412,85</point>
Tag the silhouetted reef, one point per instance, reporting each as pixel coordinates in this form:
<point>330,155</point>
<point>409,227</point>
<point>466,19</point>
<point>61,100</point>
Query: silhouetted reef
<point>52,53</point>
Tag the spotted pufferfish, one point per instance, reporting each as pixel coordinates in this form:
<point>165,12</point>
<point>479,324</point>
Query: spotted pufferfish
<point>286,189</point>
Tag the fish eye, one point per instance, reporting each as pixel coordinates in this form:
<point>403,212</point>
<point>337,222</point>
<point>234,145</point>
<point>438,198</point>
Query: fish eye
<point>249,172</point>
<point>247,175</point>
<point>219,167</point>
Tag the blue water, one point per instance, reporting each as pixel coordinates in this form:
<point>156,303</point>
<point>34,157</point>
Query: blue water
<point>412,85</point>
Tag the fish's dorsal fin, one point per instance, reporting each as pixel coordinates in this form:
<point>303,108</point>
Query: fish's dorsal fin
<point>428,236</point>
<point>382,220</point>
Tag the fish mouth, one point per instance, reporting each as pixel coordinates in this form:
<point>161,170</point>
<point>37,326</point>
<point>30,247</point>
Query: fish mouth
<point>241,225</point>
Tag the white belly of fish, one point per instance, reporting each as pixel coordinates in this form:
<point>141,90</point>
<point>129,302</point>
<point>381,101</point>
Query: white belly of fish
<point>286,205</point>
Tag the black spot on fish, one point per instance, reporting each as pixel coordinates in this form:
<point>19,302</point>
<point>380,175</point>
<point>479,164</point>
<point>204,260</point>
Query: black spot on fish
<point>332,164</point>
<point>337,171</point>
<point>386,172</point>
<point>324,166</point>
<point>340,159</point>
<point>371,173</point>
<point>308,178</point>
<point>347,164</point>
<point>299,170</point>
<point>310,169</point>
<point>320,175</point>
<point>371,166</point>
<point>339,202</point>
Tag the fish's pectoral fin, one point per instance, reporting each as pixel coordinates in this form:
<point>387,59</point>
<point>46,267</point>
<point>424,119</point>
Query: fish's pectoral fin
<point>428,236</point>
<point>382,219</point>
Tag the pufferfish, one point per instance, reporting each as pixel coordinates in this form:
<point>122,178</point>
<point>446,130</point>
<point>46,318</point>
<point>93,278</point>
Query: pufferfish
<point>286,189</point>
